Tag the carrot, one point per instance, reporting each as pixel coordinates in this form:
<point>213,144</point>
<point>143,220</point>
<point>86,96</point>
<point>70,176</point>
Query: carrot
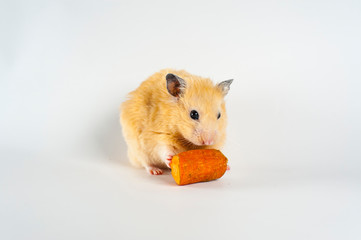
<point>198,166</point>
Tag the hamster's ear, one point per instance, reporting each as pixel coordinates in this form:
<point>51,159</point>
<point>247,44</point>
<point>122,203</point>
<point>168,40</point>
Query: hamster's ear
<point>175,84</point>
<point>225,86</point>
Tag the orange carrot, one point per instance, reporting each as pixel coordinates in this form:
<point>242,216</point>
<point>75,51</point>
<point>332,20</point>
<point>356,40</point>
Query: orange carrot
<point>198,166</point>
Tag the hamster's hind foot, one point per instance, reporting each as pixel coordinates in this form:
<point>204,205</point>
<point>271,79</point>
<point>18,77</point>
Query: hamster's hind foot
<point>154,170</point>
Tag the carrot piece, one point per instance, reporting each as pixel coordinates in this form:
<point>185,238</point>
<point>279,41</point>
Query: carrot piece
<point>199,165</point>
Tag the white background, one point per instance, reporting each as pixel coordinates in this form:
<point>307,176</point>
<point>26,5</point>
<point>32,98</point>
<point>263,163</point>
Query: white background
<point>294,118</point>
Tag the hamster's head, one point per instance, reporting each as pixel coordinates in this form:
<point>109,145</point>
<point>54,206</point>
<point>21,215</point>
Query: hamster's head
<point>200,114</point>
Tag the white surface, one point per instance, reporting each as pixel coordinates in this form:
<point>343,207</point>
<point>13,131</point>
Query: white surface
<point>294,114</point>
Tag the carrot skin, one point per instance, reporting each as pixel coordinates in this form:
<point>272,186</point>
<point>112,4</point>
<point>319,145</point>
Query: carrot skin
<point>199,165</point>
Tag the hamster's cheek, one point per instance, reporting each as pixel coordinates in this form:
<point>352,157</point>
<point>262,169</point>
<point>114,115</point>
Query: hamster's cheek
<point>193,137</point>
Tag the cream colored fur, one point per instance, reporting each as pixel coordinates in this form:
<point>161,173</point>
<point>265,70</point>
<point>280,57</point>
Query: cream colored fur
<point>157,125</point>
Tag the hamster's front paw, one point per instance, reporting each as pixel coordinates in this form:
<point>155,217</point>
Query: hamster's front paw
<point>168,160</point>
<point>166,154</point>
<point>154,170</point>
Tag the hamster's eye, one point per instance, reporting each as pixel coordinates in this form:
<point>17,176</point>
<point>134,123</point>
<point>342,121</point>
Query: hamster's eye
<point>194,115</point>
<point>219,116</point>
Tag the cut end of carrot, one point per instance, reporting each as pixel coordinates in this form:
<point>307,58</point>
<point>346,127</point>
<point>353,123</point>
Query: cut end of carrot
<point>175,169</point>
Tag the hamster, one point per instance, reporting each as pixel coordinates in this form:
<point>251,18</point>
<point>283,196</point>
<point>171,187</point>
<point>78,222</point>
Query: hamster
<point>171,112</point>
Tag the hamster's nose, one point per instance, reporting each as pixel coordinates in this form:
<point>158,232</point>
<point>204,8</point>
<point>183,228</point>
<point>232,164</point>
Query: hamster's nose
<point>208,138</point>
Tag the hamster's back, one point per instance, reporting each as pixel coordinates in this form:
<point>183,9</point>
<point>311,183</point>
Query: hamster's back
<point>146,102</point>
